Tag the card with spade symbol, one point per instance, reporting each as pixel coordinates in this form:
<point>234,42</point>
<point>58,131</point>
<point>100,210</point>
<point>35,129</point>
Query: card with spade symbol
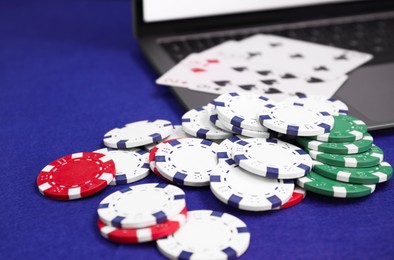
<point>316,60</point>
<point>208,73</point>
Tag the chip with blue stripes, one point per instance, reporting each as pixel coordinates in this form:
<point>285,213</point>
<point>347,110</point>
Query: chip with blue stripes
<point>296,119</point>
<point>271,158</point>
<point>131,164</point>
<point>141,205</point>
<point>196,122</point>
<point>187,161</point>
<point>241,189</point>
<point>207,235</point>
<point>138,133</point>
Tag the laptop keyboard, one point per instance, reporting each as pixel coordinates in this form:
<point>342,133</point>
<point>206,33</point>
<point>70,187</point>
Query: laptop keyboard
<point>374,37</point>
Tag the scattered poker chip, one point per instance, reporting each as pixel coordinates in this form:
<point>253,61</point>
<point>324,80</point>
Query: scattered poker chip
<point>140,235</point>
<point>176,133</point>
<point>152,159</point>
<point>187,161</point>
<point>297,196</point>
<point>321,185</point>
<point>196,122</point>
<point>370,158</point>
<point>346,129</point>
<point>224,150</point>
<point>370,175</point>
<point>271,158</point>
<point>248,133</point>
<point>331,105</point>
<point>141,205</point>
<point>131,164</point>
<point>138,134</point>
<point>76,176</point>
<point>241,109</point>
<point>213,116</point>
<point>359,146</point>
<point>207,235</point>
<point>294,119</point>
<point>243,190</point>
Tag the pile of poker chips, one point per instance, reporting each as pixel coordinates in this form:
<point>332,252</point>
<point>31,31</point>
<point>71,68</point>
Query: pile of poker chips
<point>254,168</point>
<point>347,163</point>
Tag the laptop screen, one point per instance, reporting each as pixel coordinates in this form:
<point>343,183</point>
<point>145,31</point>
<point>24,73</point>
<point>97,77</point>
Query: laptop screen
<point>166,10</point>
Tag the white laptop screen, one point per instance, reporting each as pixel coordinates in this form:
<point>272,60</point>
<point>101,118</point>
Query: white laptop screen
<point>165,10</point>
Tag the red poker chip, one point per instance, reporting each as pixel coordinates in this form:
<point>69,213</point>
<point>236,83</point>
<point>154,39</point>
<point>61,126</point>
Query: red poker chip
<point>76,176</point>
<point>140,235</point>
<point>152,160</point>
<point>297,196</point>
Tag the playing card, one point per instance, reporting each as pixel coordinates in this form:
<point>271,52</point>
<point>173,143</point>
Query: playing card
<point>236,75</point>
<point>188,70</point>
<point>318,61</point>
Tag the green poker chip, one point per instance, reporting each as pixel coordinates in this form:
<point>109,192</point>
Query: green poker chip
<point>316,183</point>
<point>359,146</point>
<point>346,129</point>
<point>371,175</point>
<point>370,158</point>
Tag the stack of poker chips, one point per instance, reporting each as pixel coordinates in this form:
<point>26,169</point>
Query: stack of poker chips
<point>346,160</point>
<point>142,213</point>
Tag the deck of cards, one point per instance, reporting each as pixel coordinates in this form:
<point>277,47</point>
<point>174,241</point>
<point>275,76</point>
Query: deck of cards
<point>266,65</point>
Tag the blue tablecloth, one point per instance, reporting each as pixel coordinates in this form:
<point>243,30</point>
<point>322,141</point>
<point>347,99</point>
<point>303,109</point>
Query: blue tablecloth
<point>69,72</point>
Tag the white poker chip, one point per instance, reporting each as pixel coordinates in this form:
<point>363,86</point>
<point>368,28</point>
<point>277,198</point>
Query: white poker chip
<point>187,161</point>
<point>213,116</point>
<point>225,147</point>
<point>196,123</point>
<point>247,191</point>
<point>246,132</point>
<point>177,132</point>
<point>295,119</point>
<point>141,205</point>
<point>331,105</point>
<point>207,235</point>
<point>271,158</point>
<point>131,165</point>
<point>138,134</point>
<point>241,109</point>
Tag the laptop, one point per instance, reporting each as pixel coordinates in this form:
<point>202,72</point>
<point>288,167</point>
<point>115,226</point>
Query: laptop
<point>169,30</point>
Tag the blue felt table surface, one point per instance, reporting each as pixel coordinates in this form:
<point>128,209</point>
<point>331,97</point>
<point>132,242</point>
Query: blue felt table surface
<point>69,72</point>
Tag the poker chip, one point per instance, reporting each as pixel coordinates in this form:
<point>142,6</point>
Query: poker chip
<point>321,185</point>
<point>131,164</point>
<point>331,105</point>
<point>248,133</point>
<point>177,132</point>
<point>271,158</point>
<point>240,109</point>
<point>196,123</point>
<point>359,146</point>
<point>295,119</point>
<point>224,150</point>
<point>207,235</point>
<point>346,129</point>
<point>214,118</point>
<point>243,190</point>
<point>138,134</point>
<point>370,158</point>
<point>76,176</point>
<point>187,161</point>
<point>297,196</point>
<point>140,235</point>
<point>141,205</point>
<point>152,159</point>
<point>370,175</point>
